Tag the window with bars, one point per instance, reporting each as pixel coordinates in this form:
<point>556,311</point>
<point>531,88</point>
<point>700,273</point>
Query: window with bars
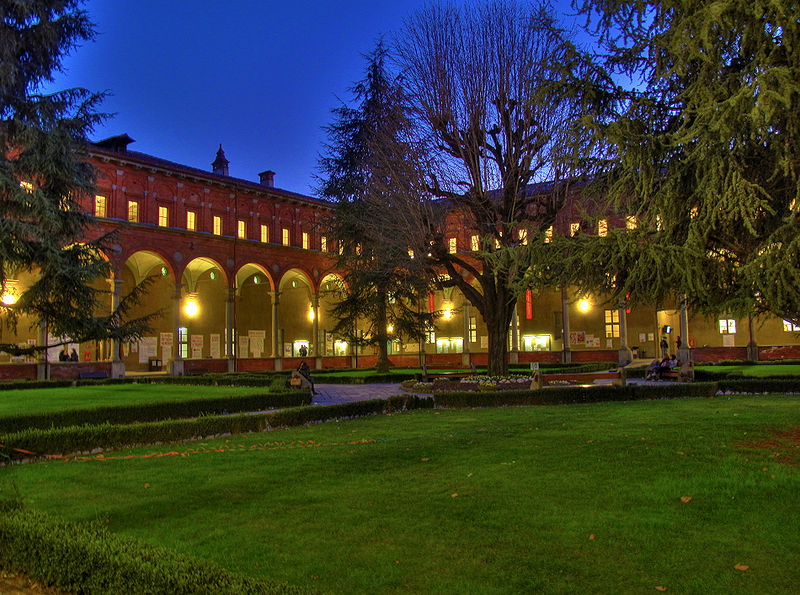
<point>191,220</point>
<point>163,217</point>
<point>285,236</point>
<point>133,211</point>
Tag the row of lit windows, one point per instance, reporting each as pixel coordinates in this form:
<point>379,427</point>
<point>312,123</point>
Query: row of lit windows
<point>100,210</point>
<point>602,230</point>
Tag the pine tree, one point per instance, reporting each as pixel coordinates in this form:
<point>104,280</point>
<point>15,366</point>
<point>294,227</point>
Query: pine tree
<point>704,148</point>
<point>379,290</point>
<point>43,172</point>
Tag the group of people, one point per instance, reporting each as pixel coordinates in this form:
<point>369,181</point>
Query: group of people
<point>656,369</point>
<point>66,356</point>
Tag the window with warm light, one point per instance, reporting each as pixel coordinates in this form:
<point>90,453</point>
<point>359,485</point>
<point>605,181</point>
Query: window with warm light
<point>306,241</point>
<point>99,206</point>
<point>285,236</point>
<point>473,330</point>
<point>323,244</point>
<point>474,243</point>
<point>133,211</point>
<point>241,229</point>
<point>574,228</point>
<point>602,228</point>
<point>183,341</point>
<point>26,186</point>
<point>631,222</point>
<point>523,236</point>
<point>264,233</point>
<point>612,323</point>
<point>191,220</point>
<point>548,235</point>
<point>790,327</point>
<point>217,227</point>
<point>163,217</point>
<point>452,245</point>
<point>411,254</point>
<point>659,223</point>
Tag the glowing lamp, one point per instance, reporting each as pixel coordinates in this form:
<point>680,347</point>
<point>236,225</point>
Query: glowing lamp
<point>584,305</point>
<point>311,313</point>
<point>9,299</point>
<point>447,314</point>
<point>190,309</point>
<point>389,328</point>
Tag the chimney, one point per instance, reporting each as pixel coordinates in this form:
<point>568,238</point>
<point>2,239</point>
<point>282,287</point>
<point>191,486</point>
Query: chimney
<point>267,178</point>
<point>220,165</point>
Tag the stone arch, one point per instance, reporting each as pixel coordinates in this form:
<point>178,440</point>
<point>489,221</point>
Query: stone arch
<point>296,324</point>
<point>253,311</point>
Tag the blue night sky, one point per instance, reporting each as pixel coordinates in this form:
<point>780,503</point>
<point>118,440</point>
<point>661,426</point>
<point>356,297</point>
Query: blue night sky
<point>259,77</point>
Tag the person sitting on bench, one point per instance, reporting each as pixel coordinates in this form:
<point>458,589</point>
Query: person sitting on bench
<point>305,372</point>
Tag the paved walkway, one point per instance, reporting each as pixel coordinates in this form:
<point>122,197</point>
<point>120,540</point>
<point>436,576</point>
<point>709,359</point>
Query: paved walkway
<point>332,394</point>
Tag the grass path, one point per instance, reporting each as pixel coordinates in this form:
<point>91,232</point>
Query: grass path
<point>540,499</point>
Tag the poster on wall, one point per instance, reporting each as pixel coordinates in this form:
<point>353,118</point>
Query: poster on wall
<point>213,345</point>
<point>244,343</point>
<point>642,337</point>
<point>592,341</point>
<point>197,346</point>
<point>148,347</point>
<point>577,337</point>
<point>729,340</point>
<point>484,342</point>
<point>287,350</point>
<point>165,340</point>
<point>257,342</point>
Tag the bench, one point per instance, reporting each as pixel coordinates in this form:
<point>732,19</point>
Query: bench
<point>84,375</point>
<point>540,380</point>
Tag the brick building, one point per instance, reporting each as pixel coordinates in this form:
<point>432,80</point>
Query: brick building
<point>242,275</point>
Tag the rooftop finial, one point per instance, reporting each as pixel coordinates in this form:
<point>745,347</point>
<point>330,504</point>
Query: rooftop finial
<point>220,165</point>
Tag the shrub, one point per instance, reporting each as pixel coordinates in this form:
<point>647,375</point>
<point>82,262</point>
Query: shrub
<point>787,384</point>
<point>126,414</point>
<point>86,558</point>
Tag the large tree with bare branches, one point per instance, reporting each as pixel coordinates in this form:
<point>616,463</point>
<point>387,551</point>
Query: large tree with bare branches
<point>485,85</point>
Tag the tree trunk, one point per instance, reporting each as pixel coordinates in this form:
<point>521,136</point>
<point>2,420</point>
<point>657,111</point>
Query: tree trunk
<point>381,334</point>
<point>497,320</point>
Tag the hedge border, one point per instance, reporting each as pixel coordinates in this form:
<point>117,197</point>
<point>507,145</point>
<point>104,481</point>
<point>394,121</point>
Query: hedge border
<point>144,412</point>
<point>65,442</point>
<point>87,558</point>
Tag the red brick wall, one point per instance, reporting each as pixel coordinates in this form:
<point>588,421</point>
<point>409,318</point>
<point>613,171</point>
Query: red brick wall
<point>18,372</point>
<point>218,366</point>
<point>718,354</point>
<point>255,364</point>
<point>603,355</point>
<point>779,352</point>
<point>71,371</point>
<point>336,362</point>
<point>544,357</point>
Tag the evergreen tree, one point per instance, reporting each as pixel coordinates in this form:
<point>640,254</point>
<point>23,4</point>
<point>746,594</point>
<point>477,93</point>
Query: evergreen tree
<point>380,289</point>
<point>43,172</point>
<point>704,149</point>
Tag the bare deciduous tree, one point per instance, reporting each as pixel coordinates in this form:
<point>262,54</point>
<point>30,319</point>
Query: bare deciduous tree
<point>487,92</point>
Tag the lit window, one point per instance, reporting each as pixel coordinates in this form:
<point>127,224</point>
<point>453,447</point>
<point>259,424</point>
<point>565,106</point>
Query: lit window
<point>452,245</point>
<point>183,341</point>
<point>26,186</point>
<point>473,330</point>
<point>612,323</point>
<point>496,244</point>
<point>323,244</point>
<point>693,213</point>
<point>602,228</point>
<point>727,326</point>
<point>411,254</point>
<point>264,233</point>
<point>474,244</point>
<point>630,222</point>
<point>285,236</point>
<point>659,223</point>
<point>574,228</point>
<point>217,225</point>
<point>359,249</point>
<point>548,235</point>
<point>133,211</point>
<point>790,327</point>
<point>305,240</point>
<point>163,217</point>
<point>241,229</point>
<point>191,220</point>
<point>99,206</point>
<point>523,236</point>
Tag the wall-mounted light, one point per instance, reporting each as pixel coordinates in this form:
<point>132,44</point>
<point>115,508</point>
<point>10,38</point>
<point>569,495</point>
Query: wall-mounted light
<point>389,329</point>
<point>164,271</point>
<point>10,295</point>
<point>311,313</point>
<point>584,305</point>
<point>213,275</point>
<point>256,279</point>
<point>191,308</point>
<point>447,314</point>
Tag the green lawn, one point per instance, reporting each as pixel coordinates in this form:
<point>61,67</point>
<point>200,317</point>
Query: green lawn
<point>539,499</point>
<point>758,370</point>
<point>44,400</point>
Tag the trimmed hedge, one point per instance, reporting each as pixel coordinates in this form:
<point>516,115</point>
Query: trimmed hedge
<point>87,558</point>
<point>37,443</point>
<point>773,384</point>
<point>371,379</point>
<point>130,413</point>
<point>572,394</point>
<point>271,379</point>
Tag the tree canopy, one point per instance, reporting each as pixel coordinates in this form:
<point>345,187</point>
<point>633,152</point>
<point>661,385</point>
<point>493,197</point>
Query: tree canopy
<point>43,172</point>
<point>703,147</point>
